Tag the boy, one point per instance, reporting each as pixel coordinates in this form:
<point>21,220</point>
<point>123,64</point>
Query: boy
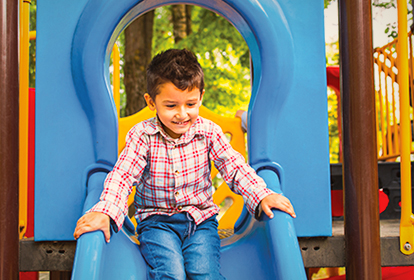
<point>167,159</point>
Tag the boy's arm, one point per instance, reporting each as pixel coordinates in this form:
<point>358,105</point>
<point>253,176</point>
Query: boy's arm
<point>119,182</point>
<point>239,176</point>
<point>242,179</point>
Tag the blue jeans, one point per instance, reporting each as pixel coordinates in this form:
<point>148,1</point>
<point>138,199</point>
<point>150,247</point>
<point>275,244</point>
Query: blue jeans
<point>175,248</point>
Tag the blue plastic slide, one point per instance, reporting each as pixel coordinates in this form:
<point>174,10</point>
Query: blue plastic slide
<point>266,249</point>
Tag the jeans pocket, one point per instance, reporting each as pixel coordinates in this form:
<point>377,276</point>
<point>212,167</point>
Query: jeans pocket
<point>147,221</point>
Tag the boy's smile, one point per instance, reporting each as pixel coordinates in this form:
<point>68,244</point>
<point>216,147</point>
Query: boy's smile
<point>176,109</point>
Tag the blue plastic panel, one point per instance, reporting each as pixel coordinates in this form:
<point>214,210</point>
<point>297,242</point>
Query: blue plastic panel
<point>76,122</point>
<point>63,136</point>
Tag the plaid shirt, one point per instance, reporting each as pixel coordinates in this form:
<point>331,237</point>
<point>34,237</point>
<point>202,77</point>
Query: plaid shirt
<point>173,175</point>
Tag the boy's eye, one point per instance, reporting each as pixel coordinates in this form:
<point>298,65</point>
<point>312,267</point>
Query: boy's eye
<point>191,104</point>
<point>170,106</point>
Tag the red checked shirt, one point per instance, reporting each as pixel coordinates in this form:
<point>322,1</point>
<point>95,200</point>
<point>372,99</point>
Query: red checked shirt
<point>173,175</point>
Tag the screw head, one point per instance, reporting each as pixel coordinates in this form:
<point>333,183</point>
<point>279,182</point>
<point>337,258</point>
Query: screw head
<point>407,246</point>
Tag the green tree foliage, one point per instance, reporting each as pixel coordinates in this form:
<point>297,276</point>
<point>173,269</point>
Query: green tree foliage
<point>384,4</point>
<point>326,3</point>
<point>332,58</point>
<point>32,48</point>
<point>121,45</point>
<point>333,126</point>
<point>392,27</point>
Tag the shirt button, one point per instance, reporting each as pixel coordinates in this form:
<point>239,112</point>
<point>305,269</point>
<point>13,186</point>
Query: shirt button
<point>176,193</point>
<point>179,207</point>
<point>177,172</point>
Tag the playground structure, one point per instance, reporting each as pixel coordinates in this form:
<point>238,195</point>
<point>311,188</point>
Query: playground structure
<point>93,130</point>
<point>301,227</point>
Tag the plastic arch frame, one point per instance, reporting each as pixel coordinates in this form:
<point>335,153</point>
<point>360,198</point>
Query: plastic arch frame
<point>101,22</point>
<point>264,27</point>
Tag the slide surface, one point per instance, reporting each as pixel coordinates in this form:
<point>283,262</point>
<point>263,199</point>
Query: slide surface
<point>265,249</point>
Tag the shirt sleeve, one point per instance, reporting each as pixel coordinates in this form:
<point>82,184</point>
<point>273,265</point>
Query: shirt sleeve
<point>239,176</point>
<point>125,174</point>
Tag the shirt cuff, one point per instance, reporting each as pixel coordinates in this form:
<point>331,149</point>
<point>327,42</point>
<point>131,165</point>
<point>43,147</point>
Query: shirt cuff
<point>257,196</point>
<point>258,211</point>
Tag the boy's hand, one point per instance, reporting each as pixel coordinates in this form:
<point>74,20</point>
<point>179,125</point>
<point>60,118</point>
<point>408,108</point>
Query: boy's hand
<point>277,201</point>
<point>91,222</point>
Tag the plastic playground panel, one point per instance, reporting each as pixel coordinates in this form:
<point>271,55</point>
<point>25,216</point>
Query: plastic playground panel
<point>76,130</point>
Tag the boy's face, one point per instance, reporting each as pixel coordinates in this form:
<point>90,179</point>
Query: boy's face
<point>176,109</point>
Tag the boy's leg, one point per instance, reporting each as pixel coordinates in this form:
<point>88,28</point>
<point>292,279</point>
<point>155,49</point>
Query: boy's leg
<point>201,252</point>
<point>161,248</point>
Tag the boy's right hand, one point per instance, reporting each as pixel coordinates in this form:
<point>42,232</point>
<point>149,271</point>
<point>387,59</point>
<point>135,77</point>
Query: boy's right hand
<point>277,201</point>
<point>91,222</point>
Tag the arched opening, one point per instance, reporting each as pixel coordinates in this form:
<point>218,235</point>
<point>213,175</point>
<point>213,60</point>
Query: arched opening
<point>220,48</point>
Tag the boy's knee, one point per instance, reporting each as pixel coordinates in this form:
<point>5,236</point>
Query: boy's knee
<point>162,272</point>
<point>205,265</point>
<point>204,274</point>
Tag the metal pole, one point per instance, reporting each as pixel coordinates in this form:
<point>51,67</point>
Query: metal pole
<point>406,223</point>
<point>360,167</point>
<point>9,140</point>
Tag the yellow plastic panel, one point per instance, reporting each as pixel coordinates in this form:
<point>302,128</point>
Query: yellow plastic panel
<point>231,126</point>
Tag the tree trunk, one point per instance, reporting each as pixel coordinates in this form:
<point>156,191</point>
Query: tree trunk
<point>181,19</point>
<point>188,9</point>
<point>138,46</point>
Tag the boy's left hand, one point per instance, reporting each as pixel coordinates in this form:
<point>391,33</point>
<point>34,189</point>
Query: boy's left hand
<point>277,201</point>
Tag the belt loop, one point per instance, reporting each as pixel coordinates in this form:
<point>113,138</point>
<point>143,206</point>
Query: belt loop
<point>191,230</point>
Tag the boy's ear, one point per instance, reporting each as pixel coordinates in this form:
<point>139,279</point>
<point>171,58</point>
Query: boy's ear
<point>150,102</point>
<point>201,96</point>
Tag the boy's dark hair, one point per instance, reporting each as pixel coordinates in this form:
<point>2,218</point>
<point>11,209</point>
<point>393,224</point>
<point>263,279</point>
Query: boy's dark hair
<point>179,67</point>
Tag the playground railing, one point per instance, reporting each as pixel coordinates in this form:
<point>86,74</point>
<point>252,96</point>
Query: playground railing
<point>387,96</point>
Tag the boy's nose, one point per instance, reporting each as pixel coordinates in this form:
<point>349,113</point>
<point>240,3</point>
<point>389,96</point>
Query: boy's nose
<point>181,113</point>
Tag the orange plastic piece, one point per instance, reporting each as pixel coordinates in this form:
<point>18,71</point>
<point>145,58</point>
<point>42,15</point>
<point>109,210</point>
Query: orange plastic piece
<point>23,114</point>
